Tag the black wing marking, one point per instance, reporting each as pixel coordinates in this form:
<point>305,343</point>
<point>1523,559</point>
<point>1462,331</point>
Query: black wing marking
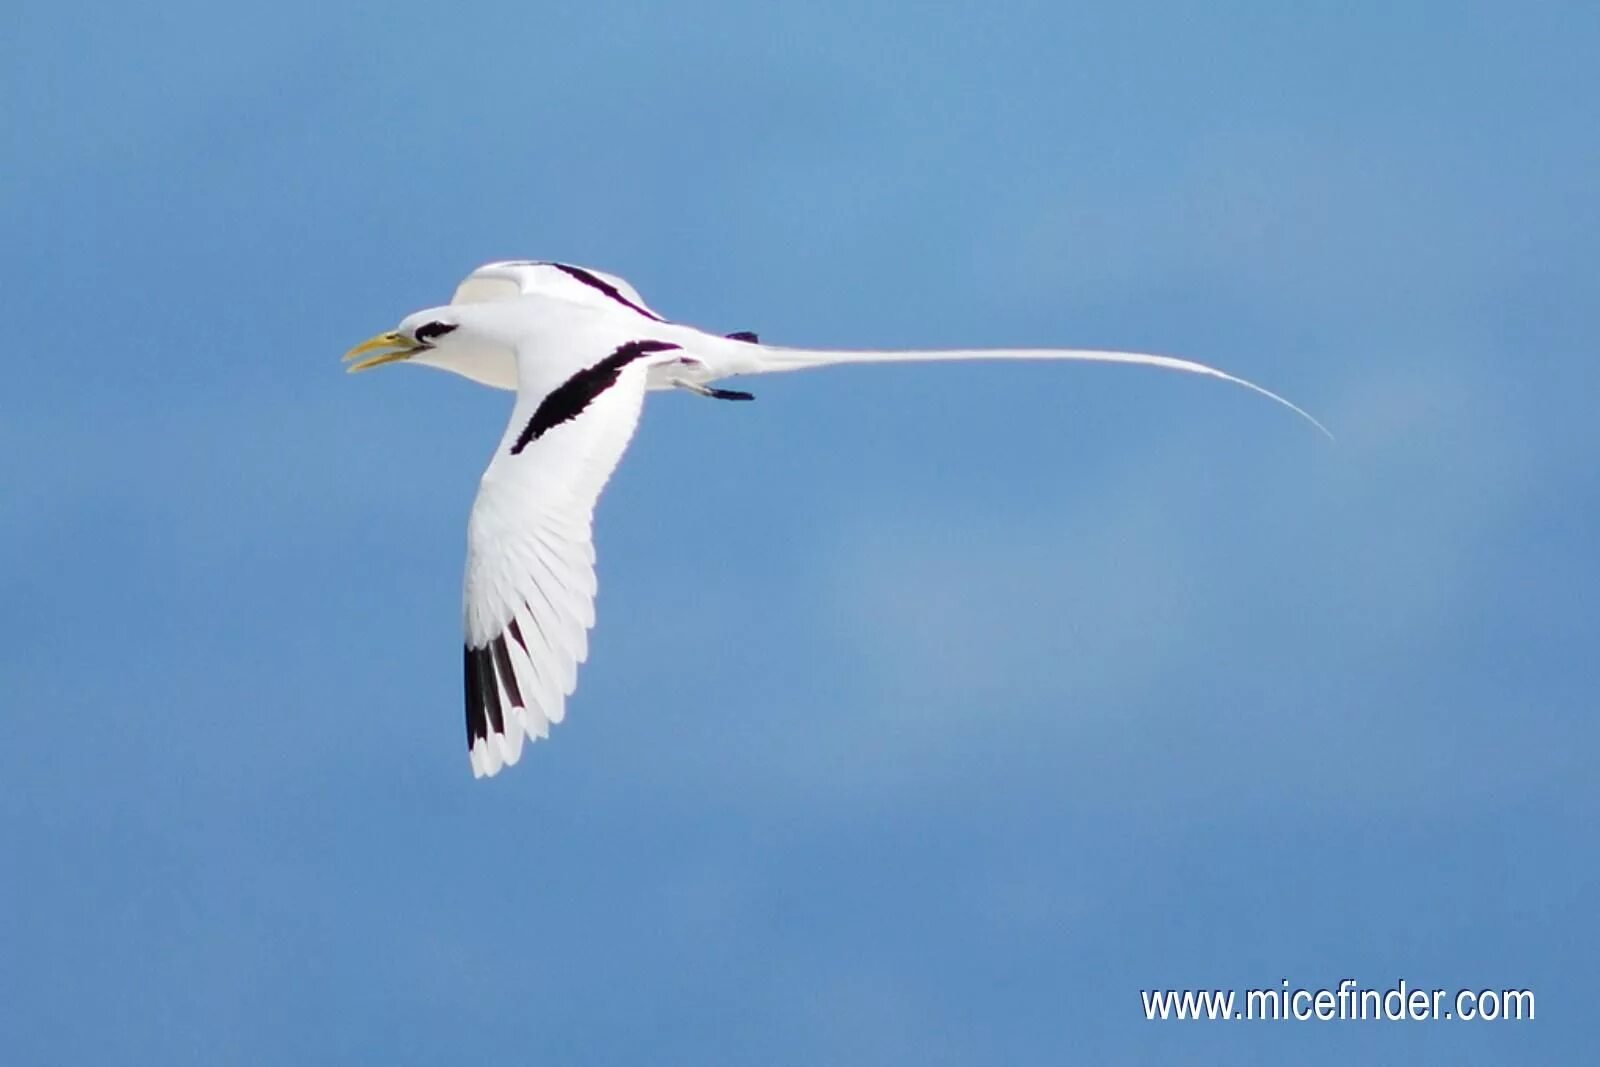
<point>483,698</point>
<point>516,631</point>
<point>508,677</point>
<point>744,335</point>
<point>480,666</point>
<point>600,285</point>
<point>569,399</point>
<point>477,724</point>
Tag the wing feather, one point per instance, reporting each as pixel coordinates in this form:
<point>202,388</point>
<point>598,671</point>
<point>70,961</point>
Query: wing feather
<point>509,279</point>
<point>544,697</point>
<point>528,601</point>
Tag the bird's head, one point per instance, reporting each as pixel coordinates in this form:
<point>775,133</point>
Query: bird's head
<point>459,338</point>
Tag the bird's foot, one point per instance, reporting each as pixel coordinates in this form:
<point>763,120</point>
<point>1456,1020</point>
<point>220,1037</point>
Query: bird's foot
<point>713,392</point>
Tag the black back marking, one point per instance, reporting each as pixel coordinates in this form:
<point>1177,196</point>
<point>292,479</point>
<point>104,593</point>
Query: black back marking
<point>569,399</point>
<point>600,285</point>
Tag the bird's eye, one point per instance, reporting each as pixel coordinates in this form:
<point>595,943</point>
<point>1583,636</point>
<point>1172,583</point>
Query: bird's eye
<point>428,331</point>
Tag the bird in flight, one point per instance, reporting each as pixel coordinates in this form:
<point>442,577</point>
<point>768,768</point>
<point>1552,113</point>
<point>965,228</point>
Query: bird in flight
<point>580,348</point>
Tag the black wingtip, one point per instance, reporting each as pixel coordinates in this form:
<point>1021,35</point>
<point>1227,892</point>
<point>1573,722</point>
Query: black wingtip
<point>730,394</point>
<point>477,718</point>
<point>744,335</point>
<point>508,676</point>
<point>484,714</point>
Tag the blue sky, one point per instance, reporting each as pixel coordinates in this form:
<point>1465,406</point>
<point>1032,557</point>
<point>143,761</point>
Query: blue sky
<point>932,712</point>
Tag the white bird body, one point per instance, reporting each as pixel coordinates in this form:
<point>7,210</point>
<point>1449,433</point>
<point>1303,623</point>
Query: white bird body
<point>581,348</point>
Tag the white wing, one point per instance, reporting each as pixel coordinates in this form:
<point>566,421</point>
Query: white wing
<point>512,278</point>
<point>530,583</point>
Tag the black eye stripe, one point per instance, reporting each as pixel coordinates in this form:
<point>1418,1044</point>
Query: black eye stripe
<point>428,331</point>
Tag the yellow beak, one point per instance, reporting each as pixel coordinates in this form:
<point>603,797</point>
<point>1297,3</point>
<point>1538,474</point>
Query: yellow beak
<point>399,347</point>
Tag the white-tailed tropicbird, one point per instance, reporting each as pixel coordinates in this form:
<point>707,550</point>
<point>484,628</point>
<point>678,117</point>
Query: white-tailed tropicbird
<point>580,348</point>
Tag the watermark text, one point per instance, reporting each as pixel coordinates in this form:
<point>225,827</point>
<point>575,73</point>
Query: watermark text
<point>1349,1002</point>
